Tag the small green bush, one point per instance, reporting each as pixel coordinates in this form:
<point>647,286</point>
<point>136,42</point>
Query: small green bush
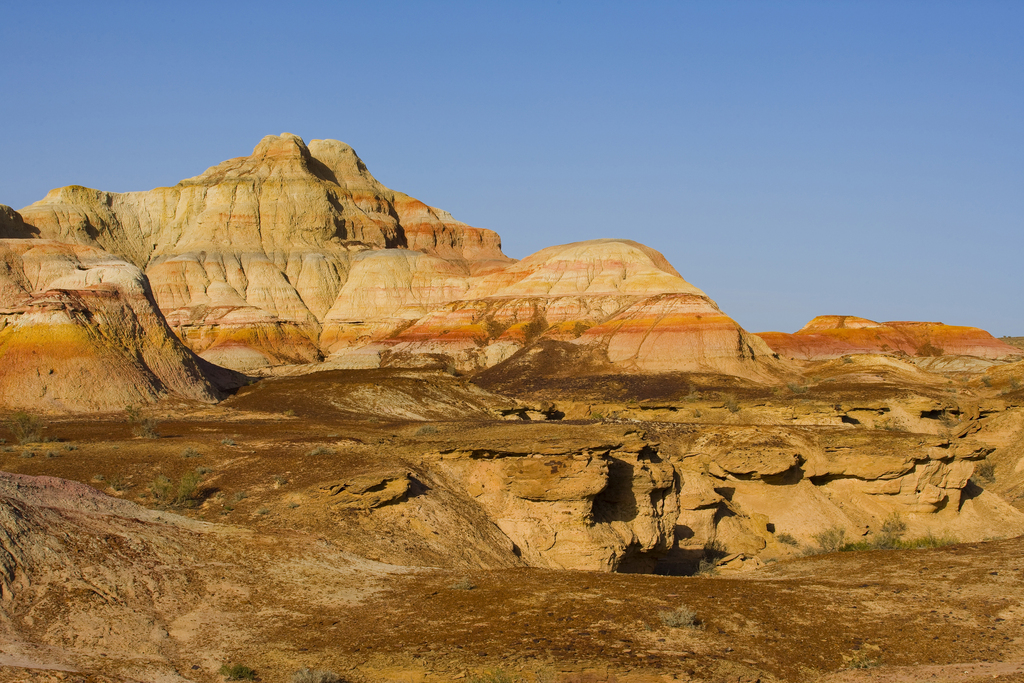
<point>832,539</point>
<point>305,675</point>
<point>237,672</point>
<point>426,429</point>
<point>26,428</point>
<point>182,494</point>
<point>190,453</point>
<point>788,539</point>
<point>680,617</point>
<point>985,471</point>
<point>144,427</point>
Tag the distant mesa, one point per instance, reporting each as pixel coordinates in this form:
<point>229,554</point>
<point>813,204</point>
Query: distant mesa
<point>833,336</point>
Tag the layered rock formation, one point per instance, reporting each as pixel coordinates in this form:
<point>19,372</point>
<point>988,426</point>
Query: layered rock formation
<point>79,331</point>
<point>618,299</point>
<point>246,259</point>
<point>832,336</point>
<point>297,252</point>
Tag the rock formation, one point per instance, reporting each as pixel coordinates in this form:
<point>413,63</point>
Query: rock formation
<point>246,259</point>
<point>618,299</point>
<point>79,331</point>
<point>297,252</point>
<point>832,336</point>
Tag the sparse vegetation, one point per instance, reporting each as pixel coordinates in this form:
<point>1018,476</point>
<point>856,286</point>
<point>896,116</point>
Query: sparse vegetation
<point>786,538</point>
<point>237,672</point>
<point>731,405</point>
<point>28,454</point>
<point>320,450</point>
<point>51,454</point>
<point>280,480</point>
<point>797,388</point>
<point>985,471</point>
<point>142,426</point>
<point>305,675</point>
<point>190,453</point>
<point>26,428</point>
<point>893,528</point>
<point>860,660</point>
<point>70,447</point>
<point>228,441</point>
<point>180,494</point>
<point>426,429</point>
<point>290,413</point>
<point>832,539</point>
<point>596,416</point>
<point>680,617</point>
<point>463,584</point>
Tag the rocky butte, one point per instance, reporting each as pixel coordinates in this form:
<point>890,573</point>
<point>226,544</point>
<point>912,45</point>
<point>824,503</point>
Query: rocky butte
<point>420,414</point>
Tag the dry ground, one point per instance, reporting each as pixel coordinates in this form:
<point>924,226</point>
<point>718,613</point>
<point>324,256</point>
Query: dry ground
<point>950,614</point>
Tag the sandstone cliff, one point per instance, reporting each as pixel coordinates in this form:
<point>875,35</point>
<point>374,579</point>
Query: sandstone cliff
<point>246,259</point>
<point>617,300</point>
<point>832,336</point>
<point>296,253</point>
<point>79,331</point>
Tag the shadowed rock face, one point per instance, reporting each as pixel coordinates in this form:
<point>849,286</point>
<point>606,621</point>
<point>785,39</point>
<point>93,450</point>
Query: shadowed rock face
<point>79,331</point>
<point>832,336</point>
<point>247,259</point>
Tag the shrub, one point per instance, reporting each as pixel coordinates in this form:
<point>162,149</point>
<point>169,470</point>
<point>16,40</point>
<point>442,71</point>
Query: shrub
<point>929,540</point>
<point>28,454</point>
<point>893,528</point>
<point>426,429</point>
<point>237,672</point>
<point>832,539</point>
<point>462,584</point>
<point>320,450</point>
<point>985,471</point>
<point>190,453</point>
<point>796,388</point>
<point>788,539</point>
<point>182,494</point>
<point>305,675</point>
<point>26,428</point>
<point>228,441</point>
<point>70,447</point>
<point>141,426</point>
<point>680,617</point>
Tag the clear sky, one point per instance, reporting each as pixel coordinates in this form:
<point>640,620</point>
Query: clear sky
<point>790,158</point>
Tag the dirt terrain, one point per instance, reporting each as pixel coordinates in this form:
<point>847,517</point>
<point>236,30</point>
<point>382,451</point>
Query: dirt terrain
<point>343,521</point>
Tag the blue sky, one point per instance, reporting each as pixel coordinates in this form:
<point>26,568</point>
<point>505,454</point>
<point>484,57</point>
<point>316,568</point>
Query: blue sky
<point>789,158</point>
